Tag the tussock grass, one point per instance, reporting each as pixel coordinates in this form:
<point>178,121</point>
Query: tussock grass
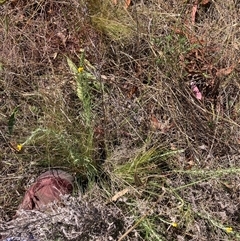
<point>113,20</point>
<point>128,118</point>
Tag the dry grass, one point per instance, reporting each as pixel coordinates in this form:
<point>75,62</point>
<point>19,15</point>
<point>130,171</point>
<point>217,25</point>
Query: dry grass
<point>178,156</point>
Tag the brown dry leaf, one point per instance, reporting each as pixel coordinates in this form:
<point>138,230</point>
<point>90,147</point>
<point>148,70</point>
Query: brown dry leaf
<point>228,186</point>
<point>192,39</point>
<point>62,37</point>
<point>126,5</point>
<point>133,90</point>
<point>178,31</point>
<point>204,2</point>
<point>173,147</point>
<point>119,194</point>
<point>157,125</point>
<point>194,11</point>
<point>238,141</point>
<point>190,165</point>
<point>16,147</point>
<point>137,180</point>
<point>99,131</point>
<point>225,71</point>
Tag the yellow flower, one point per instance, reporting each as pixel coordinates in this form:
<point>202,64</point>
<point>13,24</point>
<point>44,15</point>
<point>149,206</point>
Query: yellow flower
<point>19,147</point>
<point>80,69</point>
<point>174,224</point>
<point>228,229</point>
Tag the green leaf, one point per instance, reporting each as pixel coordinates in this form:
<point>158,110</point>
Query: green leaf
<point>72,66</point>
<point>2,1</point>
<point>12,120</point>
<point>80,90</point>
<point>90,76</point>
<point>78,77</point>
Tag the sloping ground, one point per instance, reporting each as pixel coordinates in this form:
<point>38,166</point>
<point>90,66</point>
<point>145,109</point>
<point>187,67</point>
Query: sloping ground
<point>152,112</point>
